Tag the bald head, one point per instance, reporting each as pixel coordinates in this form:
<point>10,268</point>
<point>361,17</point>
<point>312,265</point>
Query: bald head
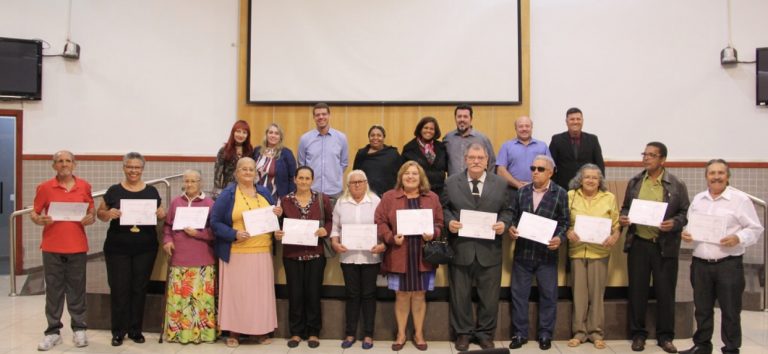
<point>524,129</point>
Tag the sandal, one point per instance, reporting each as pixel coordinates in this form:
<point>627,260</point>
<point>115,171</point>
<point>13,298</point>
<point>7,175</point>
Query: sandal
<point>263,339</point>
<point>232,342</point>
<point>574,342</point>
<point>600,344</point>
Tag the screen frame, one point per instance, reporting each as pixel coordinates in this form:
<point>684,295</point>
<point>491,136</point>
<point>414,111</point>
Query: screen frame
<point>758,53</point>
<point>18,95</point>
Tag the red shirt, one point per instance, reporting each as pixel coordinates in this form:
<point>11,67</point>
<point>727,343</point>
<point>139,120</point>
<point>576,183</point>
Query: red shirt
<point>63,236</point>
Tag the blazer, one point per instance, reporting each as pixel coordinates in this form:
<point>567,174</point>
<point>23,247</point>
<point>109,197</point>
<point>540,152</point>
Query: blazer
<point>221,219</point>
<point>495,198</point>
<point>285,170</point>
<point>437,170</point>
<point>568,164</point>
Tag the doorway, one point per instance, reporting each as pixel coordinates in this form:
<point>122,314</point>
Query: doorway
<point>9,156</point>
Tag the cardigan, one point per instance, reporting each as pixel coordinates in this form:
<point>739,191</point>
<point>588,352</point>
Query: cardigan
<point>221,219</point>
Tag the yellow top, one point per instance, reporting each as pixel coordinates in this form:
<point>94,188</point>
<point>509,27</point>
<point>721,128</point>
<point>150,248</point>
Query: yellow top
<point>651,190</point>
<point>602,205</point>
<point>254,244</point>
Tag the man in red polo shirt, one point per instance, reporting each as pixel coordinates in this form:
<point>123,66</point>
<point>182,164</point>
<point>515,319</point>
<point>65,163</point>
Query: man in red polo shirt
<point>65,249</point>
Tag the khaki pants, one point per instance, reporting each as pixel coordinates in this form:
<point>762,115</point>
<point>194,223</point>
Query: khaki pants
<point>589,278</point>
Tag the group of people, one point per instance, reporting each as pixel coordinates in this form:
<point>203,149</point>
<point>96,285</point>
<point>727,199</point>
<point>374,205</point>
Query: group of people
<point>221,276</point>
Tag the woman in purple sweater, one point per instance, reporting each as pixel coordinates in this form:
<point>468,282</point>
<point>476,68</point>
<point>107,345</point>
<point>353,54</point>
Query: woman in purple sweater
<point>190,309</point>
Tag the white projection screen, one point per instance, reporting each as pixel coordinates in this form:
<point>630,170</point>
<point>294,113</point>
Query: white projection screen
<point>384,51</point>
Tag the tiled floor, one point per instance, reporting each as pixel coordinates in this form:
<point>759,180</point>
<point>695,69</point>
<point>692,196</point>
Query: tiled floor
<point>24,322</point>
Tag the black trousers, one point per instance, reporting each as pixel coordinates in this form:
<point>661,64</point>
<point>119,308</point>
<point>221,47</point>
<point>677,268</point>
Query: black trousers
<point>360,287</point>
<point>724,282</point>
<point>304,280</point>
<point>643,262</point>
<point>128,278</point>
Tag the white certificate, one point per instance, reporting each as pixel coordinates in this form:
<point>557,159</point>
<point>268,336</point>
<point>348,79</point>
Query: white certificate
<point>536,228</point>
<point>65,211</point>
<point>592,229</point>
<point>706,228</point>
<point>194,217</point>
<point>415,222</point>
<point>138,212</point>
<point>477,224</point>
<point>260,221</point>
<point>646,212</point>
<point>300,232</point>
<point>359,237</point>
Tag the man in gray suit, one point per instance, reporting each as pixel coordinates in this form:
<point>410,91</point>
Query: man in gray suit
<point>477,260</point>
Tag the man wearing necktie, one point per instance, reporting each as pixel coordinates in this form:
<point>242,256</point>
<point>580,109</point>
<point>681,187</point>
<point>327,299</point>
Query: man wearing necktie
<point>477,261</point>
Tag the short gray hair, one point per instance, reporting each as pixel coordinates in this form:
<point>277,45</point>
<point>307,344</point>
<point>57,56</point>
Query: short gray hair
<point>547,159</point>
<point>575,182</point>
<point>475,146</point>
<point>193,171</point>
<point>133,156</point>
<point>57,154</point>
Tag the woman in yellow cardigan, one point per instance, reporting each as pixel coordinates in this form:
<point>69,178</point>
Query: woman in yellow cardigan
<point>589,261</point>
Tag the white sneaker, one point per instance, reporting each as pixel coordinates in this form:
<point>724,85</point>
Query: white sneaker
<point>49,342</point>
<point>80,339</point>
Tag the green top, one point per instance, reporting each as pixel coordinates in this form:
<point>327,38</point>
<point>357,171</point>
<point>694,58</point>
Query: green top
<point>651,190</point>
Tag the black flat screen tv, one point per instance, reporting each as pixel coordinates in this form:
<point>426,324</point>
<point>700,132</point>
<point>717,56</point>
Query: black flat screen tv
<point>21,69</point>
<point>761,59</point>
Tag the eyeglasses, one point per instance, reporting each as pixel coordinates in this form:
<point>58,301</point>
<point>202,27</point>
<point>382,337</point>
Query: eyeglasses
<point>538,168</point>
<point>357,183</point>
<point>476,158</point>
<point>191,181</point>
<point>649,154</point>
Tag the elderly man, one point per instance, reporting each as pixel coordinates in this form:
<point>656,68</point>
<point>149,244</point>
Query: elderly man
<point>65,248</point>
<point>574,148</point>
<point>477,260</point>
<point>516,155</point>
<point>325,150</point>
<point>457,140</point>
<point>717,270</point>
<point>548,200</point>
<point>653,250</point>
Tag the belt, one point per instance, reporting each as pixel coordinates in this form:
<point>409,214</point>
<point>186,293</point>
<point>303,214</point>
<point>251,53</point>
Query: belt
<point>653,240</point>
<point>308,257</point>
<point>716,260</point>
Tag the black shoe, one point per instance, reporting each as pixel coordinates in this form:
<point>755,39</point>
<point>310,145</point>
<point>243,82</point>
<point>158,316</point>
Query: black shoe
<point>313,343</point>
<point>667,346</point>
<point>117,340</point>
<point>137,337</point>
<point>638,344</point>
<point>697,349</point>
<point>462,342</point>
<point>545,343</point>
<point>292,343</point>
<point>517,342</point>
<point>486,343</point>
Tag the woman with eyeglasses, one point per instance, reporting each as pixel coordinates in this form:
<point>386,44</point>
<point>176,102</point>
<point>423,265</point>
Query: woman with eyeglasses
<point>246,274</point>
<point>360,266</point>
<point>238,145</point>
<point>190,309</point>
<point>380,162</point>
<point>129,250</point>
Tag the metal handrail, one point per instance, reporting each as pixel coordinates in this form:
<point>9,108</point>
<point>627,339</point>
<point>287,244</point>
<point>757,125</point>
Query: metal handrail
<point>29,209</point>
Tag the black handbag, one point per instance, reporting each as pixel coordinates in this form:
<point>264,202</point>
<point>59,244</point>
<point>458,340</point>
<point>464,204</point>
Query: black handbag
<point>438,251</point>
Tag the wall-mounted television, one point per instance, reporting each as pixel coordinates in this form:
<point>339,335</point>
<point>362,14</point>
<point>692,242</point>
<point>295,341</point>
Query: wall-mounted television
<point>761,58</point>
<point>21,69</point>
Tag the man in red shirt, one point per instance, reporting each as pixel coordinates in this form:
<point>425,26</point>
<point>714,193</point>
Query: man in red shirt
<point>64,247</point>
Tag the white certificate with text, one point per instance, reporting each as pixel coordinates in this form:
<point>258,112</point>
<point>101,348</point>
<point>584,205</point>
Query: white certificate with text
<point>706,228</point>
<point>646,212</point>
<point>592,229</point>
<point>536,228</point>
<point>194,217</point>
<point>477,224</point>
<point>300,232</point>
<point>138,212</point>
<point>415,222</point>
<point>66,211</point>
<point>359,237</point>
<point>261,221</point>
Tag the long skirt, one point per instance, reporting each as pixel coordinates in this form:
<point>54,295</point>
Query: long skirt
<point>190,310</point>
<point>247,294</point>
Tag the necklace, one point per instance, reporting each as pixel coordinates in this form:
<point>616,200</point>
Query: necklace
<point>248,205</point>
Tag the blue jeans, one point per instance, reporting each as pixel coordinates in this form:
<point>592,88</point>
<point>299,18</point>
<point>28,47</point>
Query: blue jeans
<point>523,272</point>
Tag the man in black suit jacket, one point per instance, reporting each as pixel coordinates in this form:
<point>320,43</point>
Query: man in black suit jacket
<point>477,260</point>
<point>574,148</point>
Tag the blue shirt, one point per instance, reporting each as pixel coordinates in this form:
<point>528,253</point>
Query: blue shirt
<point>517,157</point>
<point>328,156</point>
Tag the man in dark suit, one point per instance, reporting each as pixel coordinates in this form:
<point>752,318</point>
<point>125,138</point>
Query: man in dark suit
<point>477,260</point>
<point>574,148</point>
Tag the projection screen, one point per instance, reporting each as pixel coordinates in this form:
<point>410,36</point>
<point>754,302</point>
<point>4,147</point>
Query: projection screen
<point>384,51</point>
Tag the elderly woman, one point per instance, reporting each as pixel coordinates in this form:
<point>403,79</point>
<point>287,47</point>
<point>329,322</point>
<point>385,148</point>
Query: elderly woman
<point>304,265</point>
<point>589,261</point>
<point>407,273</point>
<point>237,146</point>
<point>246,276</point>
<point>275,163</point>
<point>360,267</point>
<point>129,251</point>
<point>380,162</point>
<point>428,152</point>
<point>190,313</point>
